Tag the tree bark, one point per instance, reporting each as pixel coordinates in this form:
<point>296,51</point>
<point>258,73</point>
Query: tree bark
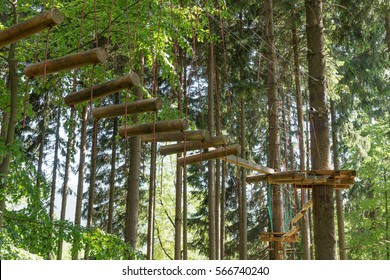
<point>387,27</point>
<point>112,172</point>
<point>339,199</point>
<point>152,202</point>
<point>10,135</point>
<point>133,182</point>
<point>65,186</point>
<point>80,182</point>
<point>323,200</point>
<point>243,206</point>
<point>274,138</point>
<point>92,181</point>
<point>211,164</point>
<point>305,229</point>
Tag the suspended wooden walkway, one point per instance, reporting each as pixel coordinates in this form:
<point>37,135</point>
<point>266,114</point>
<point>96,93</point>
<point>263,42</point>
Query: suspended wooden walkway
<point>337,179</point>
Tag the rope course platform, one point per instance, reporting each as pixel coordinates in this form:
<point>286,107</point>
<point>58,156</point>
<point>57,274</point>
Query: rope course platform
<point>338,179</point>
<point>279,237</point>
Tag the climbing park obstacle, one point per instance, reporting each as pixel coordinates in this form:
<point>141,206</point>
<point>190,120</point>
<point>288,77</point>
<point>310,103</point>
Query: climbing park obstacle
<point>30,27</point>
<point>142,106</point>
<point>214,154</point>
<point>125,82</point>
<point>153,128</point>
<point>190,135</point>
<point>193,145</point>
<point>67,62</point>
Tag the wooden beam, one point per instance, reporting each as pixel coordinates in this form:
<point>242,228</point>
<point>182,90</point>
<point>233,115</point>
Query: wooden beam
<point>300,214</point>
<point>194,145</point>
<point>191,135</point>
<point>285,177</point>
<point>142,106</point>
<point>248,164</point>
<point>104,89</point>
<point>214,154</point>
<point>149,128</point>
<point>30,27</point>
<point>275,237</point>
<point>292,231</point>
<point>67,62</point>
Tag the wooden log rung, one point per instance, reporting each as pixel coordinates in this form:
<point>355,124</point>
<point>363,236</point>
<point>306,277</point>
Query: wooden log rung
<point>191,135</point>
<point>248,164</point>
<point>141,106</point>
<point>216,141</point>
<point>67,62</point>
<point>214,154</point>
<point>30,27</point>
<point>104,89</point>
<point>292,231</point>
<point>302,212</point>
<point>150,128</point>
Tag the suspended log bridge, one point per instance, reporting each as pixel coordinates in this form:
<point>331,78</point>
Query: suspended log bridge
<point>216,141</point>
<point>190,135</point>
<point>214,154</point>
<point>128,81</point>
<point>302,212</point>
<point>149,128</point>
<point>30,27</point>
<point>67,62</point>
<point>248,164</point>
<point>142,106</point>
<point>338,179</point>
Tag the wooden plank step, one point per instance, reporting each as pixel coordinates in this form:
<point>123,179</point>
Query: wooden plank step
<point>30,27</point>
<point>98,91</point>
<point>67,62</point>
<point>216,141</point>
<point>214,154</point>
<point>248,164</point>
<point>190,135</point>
<point>141,106</point>
<point>149,128</point>
<point>301,213</point>
<point>292,231</point>
<point>278,237</point>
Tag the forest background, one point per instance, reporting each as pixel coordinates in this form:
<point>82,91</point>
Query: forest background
<point>209,62</point>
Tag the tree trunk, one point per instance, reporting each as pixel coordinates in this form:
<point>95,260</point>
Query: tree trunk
<point>223,203</point>
<point>387,26</point>
<point>92,181</point>
<point>274,138</point>
<point>43,127</point>
<point>339,199</point>
<point>152,202</point>
<point>80,183</point>
<point>218,133</point>
<point>112,172</point>
<point>133,182</point>
<point>211,163</point>
<point>9,140</point>
<point>243,208</point>
<point>323,200</point>
<point>65,186</point>
<point>305,229</point>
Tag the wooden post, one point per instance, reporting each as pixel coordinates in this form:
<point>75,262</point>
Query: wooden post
<point>148,128</point>
<point>147,105</point>
<point>194,145</point>
<point>30,27</point>
<point>67,62</point>
<point>194,135</point>
<point>104,89</point>
<point>214,154</point>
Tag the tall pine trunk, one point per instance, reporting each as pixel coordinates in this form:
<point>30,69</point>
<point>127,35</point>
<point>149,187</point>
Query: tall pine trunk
<point>11,118</point>
<point>65,186</point>
<point>339,199</point>
<point>323,198</point>
<point>133,182</point>
<point>274,138</point>
<point>112,171</point>
<point>211,163</point>
<point>80,182</point>
<point>243,202</point>
<point>305,228</point>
